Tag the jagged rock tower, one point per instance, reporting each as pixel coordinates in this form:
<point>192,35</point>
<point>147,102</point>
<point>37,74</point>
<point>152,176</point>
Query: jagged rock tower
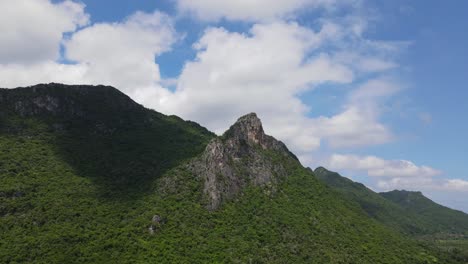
<point>243,155</point>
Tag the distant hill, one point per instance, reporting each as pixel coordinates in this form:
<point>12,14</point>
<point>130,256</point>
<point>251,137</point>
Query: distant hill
<point>89,176</point>
<point>374,204</point>
<point>442,219</point>
<point>410,212</point>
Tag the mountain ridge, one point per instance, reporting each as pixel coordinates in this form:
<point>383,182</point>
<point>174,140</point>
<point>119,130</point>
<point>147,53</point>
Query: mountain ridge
<point>64,100</point>
<point>410,210</point>
<point>87,188</point>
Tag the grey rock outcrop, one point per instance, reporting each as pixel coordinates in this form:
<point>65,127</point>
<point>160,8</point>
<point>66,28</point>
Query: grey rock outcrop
<point>156,223</point>
<point>64,100</point>
<point>242,156</point>
<point>63,106</point>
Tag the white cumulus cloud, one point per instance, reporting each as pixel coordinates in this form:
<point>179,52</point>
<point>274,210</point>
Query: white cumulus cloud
<point>378,167</point>
<point>119,54</point>
<point>247,10</point>
<point>265,70</point>
<point>456,185</point>
<point>123,54</point>
<point>32,30</point>
<point>397,174</point>
<point>358,124</point>
<point>424,183</point>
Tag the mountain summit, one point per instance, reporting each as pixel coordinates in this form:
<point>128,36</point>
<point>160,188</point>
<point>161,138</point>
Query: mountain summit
<point>68,101</point>
<point>248,129</point>
<point>243,156</point>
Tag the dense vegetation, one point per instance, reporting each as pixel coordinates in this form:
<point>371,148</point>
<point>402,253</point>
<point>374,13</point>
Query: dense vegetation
<point>374,205</point>
<point>442,219</point>
<point>409,212</point>
<point>81,185</point>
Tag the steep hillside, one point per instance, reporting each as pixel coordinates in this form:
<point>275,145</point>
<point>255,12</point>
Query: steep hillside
<point>89,176</point>
<point>374,205</point>
<point>409,212</point>
<point>441,218</point>
<point>452,225</point>
<point>100,132</point>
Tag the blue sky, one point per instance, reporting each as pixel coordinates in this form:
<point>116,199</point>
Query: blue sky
<point>375,90</point>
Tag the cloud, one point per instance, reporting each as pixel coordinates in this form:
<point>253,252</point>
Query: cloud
<point>366,63</point>
<point>354,127</point>
<point>397,174</point>
<point>14,75</point>
<point>358,124</point>
<point>266,70</point>
<point>259,10</point>
<point>456,185</point>
<point>411,184</point>
<point>377,167</point>
<point>373,90</point>
<point>31,30</point>
<point>123,54</point>
<point>424,184</point>
<point>119,54</point>
<point>262,71</point>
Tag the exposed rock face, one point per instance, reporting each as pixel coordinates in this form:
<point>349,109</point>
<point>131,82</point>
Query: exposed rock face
<point>64,100</point>
<point>249,129</point>
<point>102,108</point>
<point>156,223</point>
<point>238,159</point>
<point>156,219</point>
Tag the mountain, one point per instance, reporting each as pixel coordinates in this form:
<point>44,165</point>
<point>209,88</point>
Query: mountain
<point>409,212</point>
<point>100,132</point>
<point>443,219</point>
<point>89,176</point>
<point>244,156</point>
<point>374,204</point>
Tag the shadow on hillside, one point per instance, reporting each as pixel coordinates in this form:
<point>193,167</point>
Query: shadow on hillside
<point>125,162</point>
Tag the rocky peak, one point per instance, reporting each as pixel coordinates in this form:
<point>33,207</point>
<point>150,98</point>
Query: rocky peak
<point>248,128</point>
<point>248,131</point>
<point>320,170</point>
<point>239,158</point>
